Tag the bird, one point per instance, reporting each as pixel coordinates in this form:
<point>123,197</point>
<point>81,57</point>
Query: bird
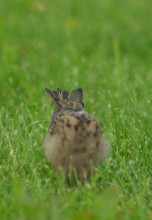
<point>74,142</point>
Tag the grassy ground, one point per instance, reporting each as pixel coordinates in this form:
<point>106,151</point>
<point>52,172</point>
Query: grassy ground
<point>105,47</point>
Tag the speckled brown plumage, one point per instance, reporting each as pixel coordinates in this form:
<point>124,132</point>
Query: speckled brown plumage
<point>74,139</point>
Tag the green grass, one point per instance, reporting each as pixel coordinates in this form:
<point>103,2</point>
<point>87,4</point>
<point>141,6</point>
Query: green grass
<point>105,47</point>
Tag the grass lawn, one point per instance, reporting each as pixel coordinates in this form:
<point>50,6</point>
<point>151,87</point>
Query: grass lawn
<point>105,47</point>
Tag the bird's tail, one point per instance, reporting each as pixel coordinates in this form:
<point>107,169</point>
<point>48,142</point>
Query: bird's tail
<point>58,96</point>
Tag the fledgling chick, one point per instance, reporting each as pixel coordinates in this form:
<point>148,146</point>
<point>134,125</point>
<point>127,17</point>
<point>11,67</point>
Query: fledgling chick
<point>74,140</point>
